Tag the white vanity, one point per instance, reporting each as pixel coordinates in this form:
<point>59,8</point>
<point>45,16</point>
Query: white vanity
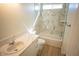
<point>29,46</point>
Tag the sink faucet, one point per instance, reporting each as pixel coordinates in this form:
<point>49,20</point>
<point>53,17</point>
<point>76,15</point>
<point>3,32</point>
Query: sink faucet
<point>12,42</point>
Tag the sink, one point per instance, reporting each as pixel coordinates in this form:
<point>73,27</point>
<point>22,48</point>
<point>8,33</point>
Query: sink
<point>10,49</point>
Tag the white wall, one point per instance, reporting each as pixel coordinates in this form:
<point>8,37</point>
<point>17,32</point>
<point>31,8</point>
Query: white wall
<point>30,14</point>
<point>11,20</point>
<point>15,18</point>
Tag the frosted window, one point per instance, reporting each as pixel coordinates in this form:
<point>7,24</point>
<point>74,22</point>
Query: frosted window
<point>55,6</point>
<point>50,6</point>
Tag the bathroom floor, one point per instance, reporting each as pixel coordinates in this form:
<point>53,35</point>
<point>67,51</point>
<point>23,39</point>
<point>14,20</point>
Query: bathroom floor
<point>48,50</point>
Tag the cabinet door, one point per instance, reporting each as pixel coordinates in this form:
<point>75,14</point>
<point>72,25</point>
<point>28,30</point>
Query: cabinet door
<point>71,39</point>
<point>31,50</point>
<point>72,45</point>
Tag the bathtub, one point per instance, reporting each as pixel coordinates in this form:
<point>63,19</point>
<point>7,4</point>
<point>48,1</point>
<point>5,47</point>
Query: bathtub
<point>51,40</point>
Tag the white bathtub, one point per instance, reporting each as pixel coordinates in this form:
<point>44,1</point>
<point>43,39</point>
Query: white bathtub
<point>52,40</point>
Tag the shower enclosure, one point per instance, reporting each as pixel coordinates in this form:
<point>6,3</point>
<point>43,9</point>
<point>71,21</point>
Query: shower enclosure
<point>50,20</point>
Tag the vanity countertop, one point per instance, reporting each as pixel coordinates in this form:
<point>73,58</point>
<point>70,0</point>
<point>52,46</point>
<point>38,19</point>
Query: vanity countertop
<point>27,39</point>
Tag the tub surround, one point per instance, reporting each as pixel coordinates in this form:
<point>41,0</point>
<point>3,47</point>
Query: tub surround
<point>27,39</point>
<point>51,22</point>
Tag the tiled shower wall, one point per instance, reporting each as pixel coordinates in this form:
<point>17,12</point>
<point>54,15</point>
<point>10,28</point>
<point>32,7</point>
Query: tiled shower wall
<point>51,22</point>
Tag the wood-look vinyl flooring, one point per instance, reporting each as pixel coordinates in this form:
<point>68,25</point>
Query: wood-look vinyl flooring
<point>48,50</point>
